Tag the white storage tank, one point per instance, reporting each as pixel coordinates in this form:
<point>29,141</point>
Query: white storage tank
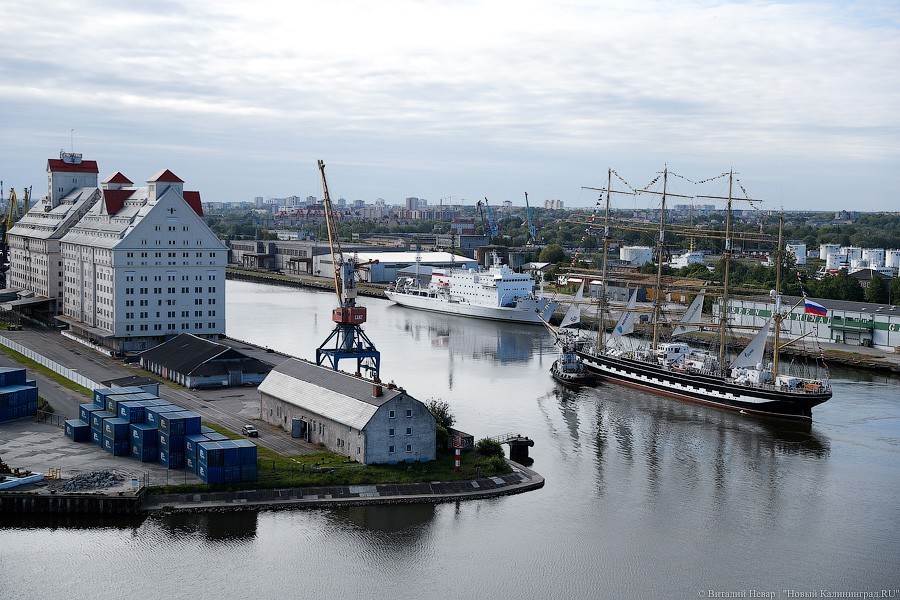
<point>852,252</point>
<point>892,259</point>
<point>875,256</point>
<point>636,255</point>
<point>835,261</point>
<point>826,249</point>
<point>798,249</point>
<point>859,263</point>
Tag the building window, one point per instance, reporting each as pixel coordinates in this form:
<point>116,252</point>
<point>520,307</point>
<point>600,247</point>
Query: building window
<point>409,447</point>
<point>390,449</point>
<point>391,432</point>
<point>391,415</point>
<point>409,431</point>
<point>408,413</point>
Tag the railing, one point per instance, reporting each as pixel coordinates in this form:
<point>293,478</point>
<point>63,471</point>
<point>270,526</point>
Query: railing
<point>57,368</point>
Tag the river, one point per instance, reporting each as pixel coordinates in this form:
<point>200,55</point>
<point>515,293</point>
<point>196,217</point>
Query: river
<point>645,497</point>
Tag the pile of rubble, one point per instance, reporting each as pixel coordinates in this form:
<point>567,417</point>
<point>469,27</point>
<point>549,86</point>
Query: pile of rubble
<point>93,481</point>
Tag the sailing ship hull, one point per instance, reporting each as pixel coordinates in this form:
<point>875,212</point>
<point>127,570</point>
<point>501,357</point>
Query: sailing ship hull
<point>526,310</point>
<point>705,389</point>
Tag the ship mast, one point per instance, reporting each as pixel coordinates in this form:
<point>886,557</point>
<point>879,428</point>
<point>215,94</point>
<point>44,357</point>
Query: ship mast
<point>660,248</point>
<point>726,256</point>
<point>776,313</point>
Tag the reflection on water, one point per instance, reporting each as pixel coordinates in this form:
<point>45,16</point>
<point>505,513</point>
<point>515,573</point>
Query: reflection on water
<point>31,521</point>
<point>225,526</point>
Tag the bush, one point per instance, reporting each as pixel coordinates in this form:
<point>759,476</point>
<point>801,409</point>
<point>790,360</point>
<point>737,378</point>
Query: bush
<point>489,447</point>
<point>441,412</point>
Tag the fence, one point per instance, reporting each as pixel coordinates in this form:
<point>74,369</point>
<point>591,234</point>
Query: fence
<point>57,368</point>
<point>42,416</point>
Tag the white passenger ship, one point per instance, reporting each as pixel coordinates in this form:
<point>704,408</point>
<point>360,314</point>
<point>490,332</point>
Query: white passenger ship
<point>497,293</point>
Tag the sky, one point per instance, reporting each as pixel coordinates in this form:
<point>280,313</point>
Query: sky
<point>456,101</point>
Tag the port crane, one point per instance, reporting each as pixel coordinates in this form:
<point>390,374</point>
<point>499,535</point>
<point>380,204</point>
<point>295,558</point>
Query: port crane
<point>532,231</point>
<point>492,229</point>
<point>347,340</point>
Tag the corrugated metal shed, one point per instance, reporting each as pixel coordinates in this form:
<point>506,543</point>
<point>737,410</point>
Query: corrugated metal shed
<point>332,394</point>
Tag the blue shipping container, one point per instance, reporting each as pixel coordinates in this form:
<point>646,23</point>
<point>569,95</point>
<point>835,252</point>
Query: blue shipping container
<point>144,453</point>
<point>116,447</point>
<point>232,453</point>
<point>191,422</point>
<point>171,460</point>
<point>12,376</point>
<point>247,451</point>
<point>143,434</point>
<point>78,431</point>
<point>232,473</point>
<point>100,397</point>
<point>191,441</point>
<point>172,443</point>
<point>97,418</point>
<point>132,411</point>
<point>116,429</point>
<point>212,475</point>
<point>97,436</point>
<point>151,415</point>
<point>211,454</point>
<point>85,411</point>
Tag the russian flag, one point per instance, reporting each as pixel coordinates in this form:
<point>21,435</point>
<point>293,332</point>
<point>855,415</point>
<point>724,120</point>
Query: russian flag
<point>814,308</point>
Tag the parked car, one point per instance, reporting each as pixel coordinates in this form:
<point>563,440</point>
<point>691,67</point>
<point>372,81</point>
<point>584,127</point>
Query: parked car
<point>250,431</point>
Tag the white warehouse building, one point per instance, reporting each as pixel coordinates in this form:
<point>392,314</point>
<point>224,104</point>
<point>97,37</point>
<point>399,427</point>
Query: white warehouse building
<point>134,266</point>
<point>798,249</point>
<point>636,255</point>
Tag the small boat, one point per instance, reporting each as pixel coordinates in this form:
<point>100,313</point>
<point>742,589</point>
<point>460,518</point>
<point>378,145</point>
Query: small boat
<point>568,369</point>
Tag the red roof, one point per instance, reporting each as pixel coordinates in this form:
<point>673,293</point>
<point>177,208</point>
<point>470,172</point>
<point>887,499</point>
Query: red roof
<point>117,177</point>
<point>193,200</point>
<point>86,166</point>
<point>166,176</point>
<point>115,199</point>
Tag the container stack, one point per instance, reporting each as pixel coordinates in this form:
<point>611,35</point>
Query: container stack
<point>129,421</point>
<point>227,461</point>
<point>18,396</point>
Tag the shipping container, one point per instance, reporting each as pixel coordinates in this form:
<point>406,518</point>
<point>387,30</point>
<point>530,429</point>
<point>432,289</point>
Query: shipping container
<point>12,376</point>
<point>100,397</point>
<point>151,414</point>
<point>216,437</point>
<point>211,454</point>
<point>232,473</point>
<point>172,443</point>
<point>190,463</point>
<point>247,451</point>
<point>211,475</point>
<point>232,453</point>
<point>116,429</point>
<point>85,411</point>
<point>116,447</point>
<point>143,434</point>
<point>132,411</point>
<point>171,460</point>
<point>78,431</point>
<point>97,436</point>
<point>144,453</point>
<point>97,418</point>
<point>204,429</point>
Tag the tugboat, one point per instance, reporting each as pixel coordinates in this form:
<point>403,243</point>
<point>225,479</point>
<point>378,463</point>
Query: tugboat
<point>568,369</point>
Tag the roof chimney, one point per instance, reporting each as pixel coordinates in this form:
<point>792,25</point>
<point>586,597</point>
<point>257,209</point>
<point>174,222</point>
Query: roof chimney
<point>377,390</point>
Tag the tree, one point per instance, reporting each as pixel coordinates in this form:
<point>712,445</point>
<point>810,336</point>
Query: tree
<point>553,254</point>
<point>894,291</point>
<point>877,292</point>
<point>441,412</point>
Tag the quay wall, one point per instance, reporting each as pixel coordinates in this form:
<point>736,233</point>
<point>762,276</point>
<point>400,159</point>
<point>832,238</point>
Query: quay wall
<point>26,502</point>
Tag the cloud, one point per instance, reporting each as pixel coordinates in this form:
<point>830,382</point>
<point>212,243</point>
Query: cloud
<point>456,84</point>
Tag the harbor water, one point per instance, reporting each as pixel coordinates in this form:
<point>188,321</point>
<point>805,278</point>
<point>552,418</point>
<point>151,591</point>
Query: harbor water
<point>645,497</point>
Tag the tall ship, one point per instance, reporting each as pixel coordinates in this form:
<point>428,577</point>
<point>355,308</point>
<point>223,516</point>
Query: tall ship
<point>751,381</point>
<point>497,293</point>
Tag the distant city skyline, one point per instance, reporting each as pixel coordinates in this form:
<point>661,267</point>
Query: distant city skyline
<point>462,101</point>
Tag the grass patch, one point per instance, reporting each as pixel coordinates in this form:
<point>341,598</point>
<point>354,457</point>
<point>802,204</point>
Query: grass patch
<point>325,468</point>
<point>39,368</point>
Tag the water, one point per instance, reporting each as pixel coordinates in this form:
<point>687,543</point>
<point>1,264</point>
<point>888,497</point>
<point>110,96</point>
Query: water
<point>644,497</point>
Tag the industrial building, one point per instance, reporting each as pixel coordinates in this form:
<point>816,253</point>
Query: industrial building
<point>851,323</point>
<point>383,267</point>
<point>128,267</point>
<point>195,362</point>
<point>364,421</point>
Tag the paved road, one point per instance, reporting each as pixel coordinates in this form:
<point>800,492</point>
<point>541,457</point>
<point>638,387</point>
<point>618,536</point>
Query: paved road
<point>228,407</point>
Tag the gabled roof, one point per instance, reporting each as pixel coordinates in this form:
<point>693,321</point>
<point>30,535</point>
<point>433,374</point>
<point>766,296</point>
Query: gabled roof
<point>58,165</point>
<point>186,353</point>
<point>865,274</point>
<point>115,199</point>
<point>332,394</point>
<point>117,177</point>
<point>166,176</point>
<point>193,200</point>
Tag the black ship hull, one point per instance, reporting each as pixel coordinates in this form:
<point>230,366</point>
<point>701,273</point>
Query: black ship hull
<point>713,390</point>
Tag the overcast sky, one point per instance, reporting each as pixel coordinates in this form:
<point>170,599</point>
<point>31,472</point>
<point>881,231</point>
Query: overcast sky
<point>459,100</point>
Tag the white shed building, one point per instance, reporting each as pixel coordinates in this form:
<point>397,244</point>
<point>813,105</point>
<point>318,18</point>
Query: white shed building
<point>366,422</point>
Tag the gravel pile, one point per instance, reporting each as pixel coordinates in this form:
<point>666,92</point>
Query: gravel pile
<point>93,481</point>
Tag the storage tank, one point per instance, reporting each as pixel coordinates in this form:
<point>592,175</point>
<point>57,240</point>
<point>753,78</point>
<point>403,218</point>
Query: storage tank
<point>798,249</point>
<point>636,255</point>
<point>859,263</point>
<point>892,259</point>
<point>852,252</point>
<point>826,249</point>
<point>875,256</point>
<point>835,261</point>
